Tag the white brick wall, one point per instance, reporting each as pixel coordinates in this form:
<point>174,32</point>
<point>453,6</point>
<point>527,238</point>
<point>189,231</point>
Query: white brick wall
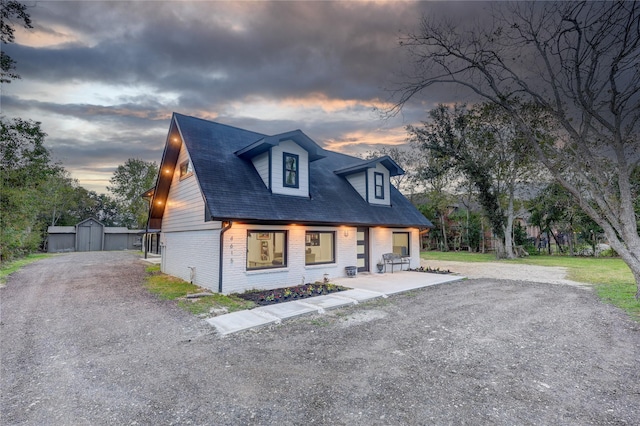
<point>237,279</point>
<point>199,249</point>
<point>381,242</point>
<point>192,248</point>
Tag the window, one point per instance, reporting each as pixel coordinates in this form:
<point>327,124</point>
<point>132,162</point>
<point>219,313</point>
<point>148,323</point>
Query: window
<point>378,179</point>
<point>186,169</point>
<point>320,248</point>
<point>401,243</point>
<point>290,166</point>
<point>266,249</point>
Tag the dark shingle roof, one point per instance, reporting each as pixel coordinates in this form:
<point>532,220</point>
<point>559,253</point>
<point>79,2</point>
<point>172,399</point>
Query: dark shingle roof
<point>233,189</point>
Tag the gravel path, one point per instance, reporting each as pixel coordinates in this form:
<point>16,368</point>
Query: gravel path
<point>83,343</point>
<point>506,271</point>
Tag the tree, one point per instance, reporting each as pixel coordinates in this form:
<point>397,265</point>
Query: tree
<point>25,167</point>
<point>406,159</point>
<point>128,182</point>
<point>482,145</point>
<point>434,175</point>
<point>577,64</point>
<point>9,10</point>
<point>58,197</point>
<point>101,206</point>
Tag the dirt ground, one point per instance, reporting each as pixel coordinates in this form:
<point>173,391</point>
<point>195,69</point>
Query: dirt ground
<point>84,343</point>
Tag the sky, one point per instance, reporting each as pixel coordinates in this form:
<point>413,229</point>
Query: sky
<point>104,77</point>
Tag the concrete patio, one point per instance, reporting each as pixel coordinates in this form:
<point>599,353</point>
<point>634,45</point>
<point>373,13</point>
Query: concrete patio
<point>364,287</point>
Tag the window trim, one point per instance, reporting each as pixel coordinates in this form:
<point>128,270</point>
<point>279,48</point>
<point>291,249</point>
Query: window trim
<point>284,249</point>
<point>408,234</point>
<point>189,169</point>
<point>333,247</point>
<point>285,155</point>
<point>376,186</point>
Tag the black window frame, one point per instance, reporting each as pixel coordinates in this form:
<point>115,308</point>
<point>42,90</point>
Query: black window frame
<point>285,248</point>
<point>376,186</point>
<point>333,247</point>
<point>408,234</point>
<point>296,158</point>
<point>186,169</point>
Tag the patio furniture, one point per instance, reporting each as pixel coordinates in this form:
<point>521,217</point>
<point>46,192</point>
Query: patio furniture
<point>394,259</point>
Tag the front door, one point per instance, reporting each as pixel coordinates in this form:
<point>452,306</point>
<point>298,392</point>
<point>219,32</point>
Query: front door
<point>363,249</point>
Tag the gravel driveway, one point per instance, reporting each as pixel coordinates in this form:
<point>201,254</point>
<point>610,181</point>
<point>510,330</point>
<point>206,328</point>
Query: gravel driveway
<point>83,343</point>
<point>506,271</point>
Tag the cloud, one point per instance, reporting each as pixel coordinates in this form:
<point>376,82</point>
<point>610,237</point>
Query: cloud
<point>104,77</point>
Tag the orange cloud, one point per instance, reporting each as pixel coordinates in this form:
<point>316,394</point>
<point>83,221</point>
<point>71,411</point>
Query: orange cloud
<point>329,105</point>
<point>361,141</point>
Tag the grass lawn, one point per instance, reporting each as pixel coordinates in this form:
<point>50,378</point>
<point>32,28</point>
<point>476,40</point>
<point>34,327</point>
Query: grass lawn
<point>167,287</point>
<point>612,277</point>
<point>458,256</point>
<point>9,268</point>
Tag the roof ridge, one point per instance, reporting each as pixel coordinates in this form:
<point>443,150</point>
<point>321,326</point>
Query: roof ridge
<point>219,124</point>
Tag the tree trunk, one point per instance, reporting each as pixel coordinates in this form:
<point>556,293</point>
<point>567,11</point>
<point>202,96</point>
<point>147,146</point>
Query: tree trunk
<point>571,239</point>
<point>445,244</point>
<point>468,236</point>
<point>629,250</point>
<point>482,233</point>
<point>508,231</point>
<point>53,217</point>
<point>499,248</point>
<point>631,259</point>
<point>557,242</point>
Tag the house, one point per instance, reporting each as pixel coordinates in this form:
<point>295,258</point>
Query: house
<point>239,210</point>
<point>91,235</point>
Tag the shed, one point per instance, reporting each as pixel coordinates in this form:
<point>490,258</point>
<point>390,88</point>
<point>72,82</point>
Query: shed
<point>120,238</point>
<point>91,235</point>
<point>61,239</point>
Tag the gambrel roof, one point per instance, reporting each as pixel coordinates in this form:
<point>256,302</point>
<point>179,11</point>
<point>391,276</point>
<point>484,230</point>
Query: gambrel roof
<point>233,190</point>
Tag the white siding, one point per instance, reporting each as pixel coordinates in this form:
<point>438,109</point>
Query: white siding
<point>185,205</point>
<point>198,249</point>
<point>359,183</point>
<point>261,163</point>
<point>372,187</point>
<point>277,169</point>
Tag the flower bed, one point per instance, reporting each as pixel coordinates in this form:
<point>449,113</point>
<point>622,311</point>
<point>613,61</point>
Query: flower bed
<point>432,270</point>
<point>287,294</point>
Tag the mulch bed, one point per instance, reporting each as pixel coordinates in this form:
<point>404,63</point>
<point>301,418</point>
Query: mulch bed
<point>287,294</point>
<point>432,270</point>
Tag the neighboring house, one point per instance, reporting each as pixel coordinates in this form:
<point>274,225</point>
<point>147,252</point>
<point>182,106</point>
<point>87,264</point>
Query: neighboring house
<point>239,210</point>
<point>523,217</point>
<point>91,235</point>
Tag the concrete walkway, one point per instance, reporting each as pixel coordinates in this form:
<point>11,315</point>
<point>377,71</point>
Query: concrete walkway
<point>364,287</point>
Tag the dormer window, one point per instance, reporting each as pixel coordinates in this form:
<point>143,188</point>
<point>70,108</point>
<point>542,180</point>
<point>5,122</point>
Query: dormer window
<point>283,161</point>
<point>290,165</point>
<point>371,179</point>
<point>379,185</point>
